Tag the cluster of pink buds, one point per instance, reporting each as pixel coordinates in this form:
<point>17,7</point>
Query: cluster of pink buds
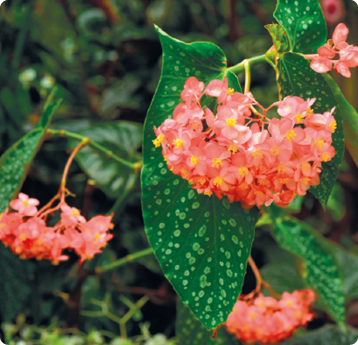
<point>253,160</point>
<point>27,235</point>
<point>268,321</point>
<point>348,54</point>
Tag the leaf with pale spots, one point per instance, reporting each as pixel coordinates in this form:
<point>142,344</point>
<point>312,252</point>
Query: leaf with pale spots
<point>296,78</point>
<point>190,331</point>
<point>278,36</point>
<point>304,24</point>
<point>15,161</point>
<point>201,243</point>
<point>322,270</point>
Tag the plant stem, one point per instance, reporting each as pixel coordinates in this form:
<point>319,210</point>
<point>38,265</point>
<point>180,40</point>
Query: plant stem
<point>134,166</point>
<point>122,261</point>
<point>256,273</point>
<point>247,75</point>
<point>252,61</point>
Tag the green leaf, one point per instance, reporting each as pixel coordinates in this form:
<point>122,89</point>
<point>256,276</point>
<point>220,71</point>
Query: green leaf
<point>304,24</point>
<point>123,138</point>
<point>349,117</point>
<point>14,287</point>
<point>325,335</point>
<point>190,331</point>
<point>279,37</point>
<point>322,269</point>
<point>296,78</point>
<point>15,162</point>
<point>201,243</point>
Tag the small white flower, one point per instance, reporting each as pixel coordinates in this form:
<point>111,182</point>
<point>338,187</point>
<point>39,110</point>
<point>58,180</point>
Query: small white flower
<point>356,1</point>
<point>1,343</point>
<point>356,343</point>
<point>1,1</point>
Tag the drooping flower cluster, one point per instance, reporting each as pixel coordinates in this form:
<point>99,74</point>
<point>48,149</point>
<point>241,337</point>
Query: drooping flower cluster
<point>252,160</point>
<point>27,234</point>
<point>348,54</point>
<point>268,321</point>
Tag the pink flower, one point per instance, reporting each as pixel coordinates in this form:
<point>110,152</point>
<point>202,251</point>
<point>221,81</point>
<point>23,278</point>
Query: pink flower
<point>24,205</point>
<point>321,65</point>
<point>71,216</point>
<point>192,89</point>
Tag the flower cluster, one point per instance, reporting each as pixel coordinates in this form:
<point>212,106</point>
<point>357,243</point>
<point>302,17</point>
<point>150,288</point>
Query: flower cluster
<point>268,321</point>
<point>348,54</point>
<point>233,154</point>
<point>27,235</point>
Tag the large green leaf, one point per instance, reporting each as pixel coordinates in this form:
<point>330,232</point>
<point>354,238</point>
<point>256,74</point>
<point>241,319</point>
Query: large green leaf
<point>296,78</point>
<point>349,117</point>
<point>325,335</point>
<point>15,162</point>
<point>190,331</point>
<point>304,24</point>
<point>123,138</point>
<point>322,269</point>
<point>201,243</point>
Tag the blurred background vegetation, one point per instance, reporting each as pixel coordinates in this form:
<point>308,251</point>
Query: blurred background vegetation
<point>104,57</point>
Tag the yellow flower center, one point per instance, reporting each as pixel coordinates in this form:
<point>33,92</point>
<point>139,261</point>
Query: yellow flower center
<point>319,143</point>
<point>25,203</point>
<point>183,171</point>
<point>23,237</point>
<point>218,181</point>
<point>309,112</point>
<point>208,193</point>
<point>332,126</point>
<point>230,91</point>
<point>291,135</point>
<point>258,193</point>
<point>305,166</point>
<point>75,212</point>
<point>305,180</point>
<point>257,154</point>
<point>231,122</point>
<point>232,148</point>
<point>177,143</point>
<point>165,159</point>
<point>159,140</point>
<point>325,157</point>
<point>97,236</point>
<point>194,160</point>
<point>299,118</point>
<point>283,180</point>
<point>216,162</point>
<point>275,151</point>
<point>243,171</point>
<point>201,180</point>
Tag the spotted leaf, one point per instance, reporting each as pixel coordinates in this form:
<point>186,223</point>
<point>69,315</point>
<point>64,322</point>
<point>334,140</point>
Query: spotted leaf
<point>278,36</point>
<point>322,270</point>
<point>201,243</point>
<point>304,24</point>
<point>296,78</point>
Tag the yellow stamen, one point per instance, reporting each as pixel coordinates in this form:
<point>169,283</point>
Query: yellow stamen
<point>208,193</point>
<point>23,237</point>
<point>291,135</point>
<point>281,168</point>
<point>283,180</point>
<point>275,151</point>
<point>305,166</point>
<point>319,143</point>
<point>257,154</point>
<point>218,181</point>
<point>231,122</point>
<point>194,160</point>
<point>194,125</point>
<point>201,180</point>
<point>25,202</point>
<point>243,171</point>
<point>232,148</point>
<point>157,142</point>
<point>305,180</point>
<point>333,126</point>
<point>325,157</point>
<point>216,162</point>
<point>289,303</point>
<point>97,236</point>
<point>252,315</point>
<point>75,212</point>
<point>258,193</point>
<point>299,118</point>
<point>261,182</point>
<point>191,181</point>
<point>165,159</point>
<point>183,171</point>
<point>177,143</point>
<point>230,91</point>
<point>309,112</point>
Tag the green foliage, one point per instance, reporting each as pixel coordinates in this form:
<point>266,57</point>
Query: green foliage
<point>322,269</point>
<point>201,243</point>
<point>279,37</point>
<point>296,78</point>
<point>304,24</point>
<point>122,138</point>
<point>349,117</point>
<point>190,331</point>
<point>15,162</point>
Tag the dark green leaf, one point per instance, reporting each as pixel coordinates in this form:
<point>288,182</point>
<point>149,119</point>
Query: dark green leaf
<point>190,331</point>
<point>296,78</point>
<point>123,138</point>
<point>322,268</point>
<point>325,335</point>
<point>15,162</point>
<point>202,243</point>
<point>349,117</point>
<point>304,24</point>
<point>279,37</point>
<point>14,286</point>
